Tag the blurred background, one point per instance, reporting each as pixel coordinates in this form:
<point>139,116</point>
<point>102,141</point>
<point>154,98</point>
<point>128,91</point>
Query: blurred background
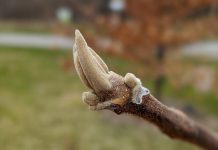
<point>172,45</point>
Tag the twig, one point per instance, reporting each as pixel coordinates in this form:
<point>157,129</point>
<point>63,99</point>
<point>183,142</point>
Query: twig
<point>111,91</point>
<point>170,121</point>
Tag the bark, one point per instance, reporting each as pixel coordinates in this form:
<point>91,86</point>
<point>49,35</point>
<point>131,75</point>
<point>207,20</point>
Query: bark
<point>170,121</point>
<point>118,93</point>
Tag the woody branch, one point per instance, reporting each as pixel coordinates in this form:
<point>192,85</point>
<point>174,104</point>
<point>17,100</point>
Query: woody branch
<point>108,90</point>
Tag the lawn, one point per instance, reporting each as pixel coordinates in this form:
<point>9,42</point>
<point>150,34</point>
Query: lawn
<point>41,109</point>
<point>25,27</point>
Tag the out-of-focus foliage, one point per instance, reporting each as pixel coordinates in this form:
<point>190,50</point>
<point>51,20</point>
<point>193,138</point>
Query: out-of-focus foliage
<point>149,23</point>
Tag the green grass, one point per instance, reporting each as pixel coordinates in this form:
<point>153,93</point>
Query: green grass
<point>204,102</point>
<point>27,27</point>
<point>41,109</point>
<point>208,101</point>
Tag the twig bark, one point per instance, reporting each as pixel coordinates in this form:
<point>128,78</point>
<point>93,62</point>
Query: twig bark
<point>170,121</point>
<point>109,90</point>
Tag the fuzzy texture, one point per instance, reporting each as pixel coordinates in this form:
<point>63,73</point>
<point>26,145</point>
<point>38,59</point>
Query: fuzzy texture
<point>91,69</point>
<point>126,95</point>
<point>138,91</point>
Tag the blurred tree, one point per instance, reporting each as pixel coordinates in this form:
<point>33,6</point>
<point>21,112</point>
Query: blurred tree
<point>167,23</point>
<point>159,25</point>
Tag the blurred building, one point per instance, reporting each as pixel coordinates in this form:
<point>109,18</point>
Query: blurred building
<point>83,10</point>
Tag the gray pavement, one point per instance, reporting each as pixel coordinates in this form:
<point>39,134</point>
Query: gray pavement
<point>35,40</point>
<point>204,48</point>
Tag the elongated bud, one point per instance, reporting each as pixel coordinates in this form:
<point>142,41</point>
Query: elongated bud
<point>80,71</point>
<point>90,67</point>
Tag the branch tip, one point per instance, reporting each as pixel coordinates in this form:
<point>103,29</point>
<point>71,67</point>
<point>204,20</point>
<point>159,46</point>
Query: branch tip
<point>93,69</point>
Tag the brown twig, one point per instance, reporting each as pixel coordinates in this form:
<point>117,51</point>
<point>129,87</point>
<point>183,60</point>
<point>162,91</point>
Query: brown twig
<point>126,95</point>
<point>170,121</point>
